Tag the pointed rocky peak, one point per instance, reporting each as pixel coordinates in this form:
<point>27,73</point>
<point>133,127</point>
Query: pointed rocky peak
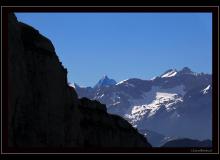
<point>186,70</point>
<point>105,77</point>
<point>105,81</point>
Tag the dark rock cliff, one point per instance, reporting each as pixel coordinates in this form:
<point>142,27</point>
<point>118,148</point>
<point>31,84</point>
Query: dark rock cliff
<point>44,111</point>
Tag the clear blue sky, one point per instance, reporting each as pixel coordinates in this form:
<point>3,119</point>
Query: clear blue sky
<point>126,45</point>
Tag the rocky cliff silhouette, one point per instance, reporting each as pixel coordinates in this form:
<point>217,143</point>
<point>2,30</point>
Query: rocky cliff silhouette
<point>44,111</point>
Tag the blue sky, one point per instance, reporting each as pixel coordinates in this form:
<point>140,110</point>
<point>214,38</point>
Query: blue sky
<point>126,45</point>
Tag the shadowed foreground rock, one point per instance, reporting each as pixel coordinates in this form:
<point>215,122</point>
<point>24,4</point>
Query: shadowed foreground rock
<point>44,111</point>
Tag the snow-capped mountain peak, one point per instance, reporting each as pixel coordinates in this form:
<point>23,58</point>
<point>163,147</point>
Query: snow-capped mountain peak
<point>105,82</point>
<point>173,72</point>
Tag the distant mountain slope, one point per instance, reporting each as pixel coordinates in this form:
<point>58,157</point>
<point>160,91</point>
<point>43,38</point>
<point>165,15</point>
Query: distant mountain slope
<point>155,139</point>
<point>174,104</point>
<point>188,143</point>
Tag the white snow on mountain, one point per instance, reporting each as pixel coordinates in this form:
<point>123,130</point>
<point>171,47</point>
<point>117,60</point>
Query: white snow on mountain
<point>125,83</point>
<point>116,103</point>
<point>72,85</point>
<point>121,82</point>
<point>153,100</point>
<point>169,74</point>
<point>205,91</point>
<point>99,97</point>
<point>153,78</point>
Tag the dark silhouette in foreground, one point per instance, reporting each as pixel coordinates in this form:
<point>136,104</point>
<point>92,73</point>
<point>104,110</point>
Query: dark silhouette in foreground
<point>44,111</point>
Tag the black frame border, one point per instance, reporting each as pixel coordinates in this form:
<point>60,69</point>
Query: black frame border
<point>122,9</point>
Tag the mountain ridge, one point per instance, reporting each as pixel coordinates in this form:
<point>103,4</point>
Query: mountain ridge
<point>184,70</point>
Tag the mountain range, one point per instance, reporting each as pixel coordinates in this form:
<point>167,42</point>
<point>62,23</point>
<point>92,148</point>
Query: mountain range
<point>175,104</point>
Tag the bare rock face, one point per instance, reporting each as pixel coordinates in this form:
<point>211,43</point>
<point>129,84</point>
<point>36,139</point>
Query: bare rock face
<point>44,111</point>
